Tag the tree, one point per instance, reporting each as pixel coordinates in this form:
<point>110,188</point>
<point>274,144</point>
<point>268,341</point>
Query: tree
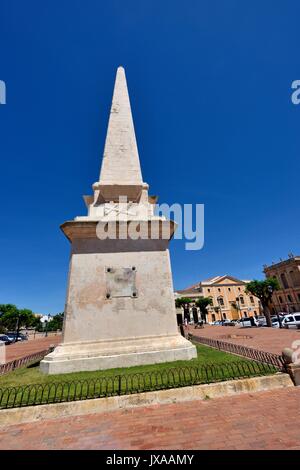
<point>263,290</point>
<point>36,323</point>
<point>5,309</point>
<point>56,323</point>
<point>181,301</point>
<point>13,318</point>
<point>8,316</point>
<point>203,303</point>
<point>184,302</point>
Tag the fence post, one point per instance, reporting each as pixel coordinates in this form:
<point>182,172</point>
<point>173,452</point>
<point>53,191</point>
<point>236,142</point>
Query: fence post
<point>120,384</point>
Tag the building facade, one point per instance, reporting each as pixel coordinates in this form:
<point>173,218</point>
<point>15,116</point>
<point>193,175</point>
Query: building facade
<point>287,272</point>
<point>229,299</point>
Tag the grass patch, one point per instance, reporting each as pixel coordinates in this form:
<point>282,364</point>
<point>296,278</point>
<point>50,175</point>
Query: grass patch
<point>30,386</point>
<point>32,374</point>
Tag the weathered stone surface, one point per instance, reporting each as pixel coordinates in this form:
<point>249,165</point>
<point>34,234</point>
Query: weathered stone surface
<point>294,371</point>
<point>107,323</point>
<point>120,164</point>
<point>287,354</point>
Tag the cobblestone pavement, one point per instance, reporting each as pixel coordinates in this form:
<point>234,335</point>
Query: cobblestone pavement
<point>272,340</point>
<point>264,420</point>
<point>25,348</point>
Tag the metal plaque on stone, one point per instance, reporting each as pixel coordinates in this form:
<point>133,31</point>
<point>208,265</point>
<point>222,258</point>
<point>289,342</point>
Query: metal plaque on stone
<point>120,282</point>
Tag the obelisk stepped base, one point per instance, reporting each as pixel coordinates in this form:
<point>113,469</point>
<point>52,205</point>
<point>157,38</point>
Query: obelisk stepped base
<point>76,357</point>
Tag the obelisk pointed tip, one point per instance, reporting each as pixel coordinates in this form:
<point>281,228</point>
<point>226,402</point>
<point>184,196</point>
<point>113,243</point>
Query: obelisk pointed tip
<point>120,164</point>
<point>120,71</point>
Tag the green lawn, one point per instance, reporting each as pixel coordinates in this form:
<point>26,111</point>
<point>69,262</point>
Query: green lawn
<point>24,376</point>
<point>211,365</point>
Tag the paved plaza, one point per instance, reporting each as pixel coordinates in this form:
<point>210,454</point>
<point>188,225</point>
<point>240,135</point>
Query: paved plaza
<point>264,420</point>
<point>265,339</point>
<point>261,420</point>
<point>272,340</point>
<point>25,348</point>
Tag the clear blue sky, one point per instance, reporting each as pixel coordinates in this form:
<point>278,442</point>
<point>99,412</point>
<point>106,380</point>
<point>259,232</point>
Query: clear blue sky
<point>210,85</point>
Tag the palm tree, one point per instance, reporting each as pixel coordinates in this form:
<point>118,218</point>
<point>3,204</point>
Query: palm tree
<point>203,303</point>
<point>181,301</point>
<point>184,302</point>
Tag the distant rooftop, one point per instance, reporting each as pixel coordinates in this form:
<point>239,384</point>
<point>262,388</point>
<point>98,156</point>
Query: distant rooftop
<point>211,281</point>
<point>291,259</point>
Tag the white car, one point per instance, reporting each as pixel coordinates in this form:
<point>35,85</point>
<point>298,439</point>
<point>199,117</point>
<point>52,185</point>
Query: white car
<point>248,321</point>
<point>291,320</point>
<point>262,321</point>
<point>275,322</point>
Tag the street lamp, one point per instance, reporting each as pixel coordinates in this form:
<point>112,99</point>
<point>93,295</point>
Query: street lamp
<point>219,302</point>
<point>17,327</point>
<point>46,329</point>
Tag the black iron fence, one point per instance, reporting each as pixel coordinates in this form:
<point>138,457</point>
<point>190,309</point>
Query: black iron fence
<point>24,361</point>
<point>240,350</point>
<point>100,387</point>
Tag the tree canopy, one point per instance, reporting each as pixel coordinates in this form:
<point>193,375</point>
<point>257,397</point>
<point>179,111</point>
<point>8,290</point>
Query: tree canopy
<point>13,318</point>
<point>182,301</point>
<point>263,290</point>
<point>56,322</point>
<point>203,303</point>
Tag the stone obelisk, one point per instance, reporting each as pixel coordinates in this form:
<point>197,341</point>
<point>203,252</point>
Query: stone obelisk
<point>120,308</point>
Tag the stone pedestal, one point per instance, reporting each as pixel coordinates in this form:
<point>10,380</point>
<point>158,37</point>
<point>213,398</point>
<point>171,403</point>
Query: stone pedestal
<point>115,318</point>
<point>292,368</point>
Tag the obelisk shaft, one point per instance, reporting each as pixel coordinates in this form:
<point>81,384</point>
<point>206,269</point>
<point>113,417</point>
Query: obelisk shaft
<point>120,162</point>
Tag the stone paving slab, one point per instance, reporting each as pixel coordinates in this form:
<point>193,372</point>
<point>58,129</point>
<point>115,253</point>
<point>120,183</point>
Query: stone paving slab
<point>272,340</point>
<point>264,420</point>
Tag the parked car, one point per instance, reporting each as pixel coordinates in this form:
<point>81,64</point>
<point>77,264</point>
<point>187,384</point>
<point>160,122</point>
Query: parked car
<point>291,320</point>
<point>275,319</point>
<point>228,323</point>
<point>248,322</point>
<point>218,322</point>
<point>13,337</point>
<point>262,321</point>
<point>275,322</point>
<point>5,339</point>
